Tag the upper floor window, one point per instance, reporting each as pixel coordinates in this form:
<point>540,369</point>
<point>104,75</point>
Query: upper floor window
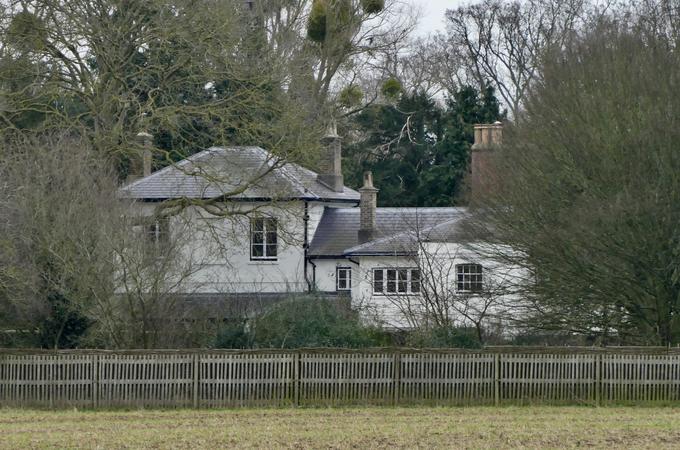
<point>469,277</point>
<point>396,281</point>
<point>343,278</point>
<point>263,238</point>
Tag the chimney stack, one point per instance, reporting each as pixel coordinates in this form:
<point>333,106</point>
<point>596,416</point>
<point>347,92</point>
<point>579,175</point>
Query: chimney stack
<point>369,200</point>
<point>488,137</point>
<point>330,167</point>
<point>146,141</point>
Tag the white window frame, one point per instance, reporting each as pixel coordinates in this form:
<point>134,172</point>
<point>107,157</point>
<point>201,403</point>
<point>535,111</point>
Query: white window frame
<point>158,231</point>
<point>396,281</point>
<point>469,278</point>
<point>347,278</point>
<point>269,228</point>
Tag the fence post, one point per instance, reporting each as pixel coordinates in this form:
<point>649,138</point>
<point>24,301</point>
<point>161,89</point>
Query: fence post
<point>497,379</point>
<point>296,378</point>
<point>52,382</point>
<point>95,381</point>
<point>598,379</point>
<point>197,387</point>
<point>396,371</point>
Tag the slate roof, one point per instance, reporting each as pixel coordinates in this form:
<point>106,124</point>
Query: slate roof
<point>397,230</point>
<point>239,173</point>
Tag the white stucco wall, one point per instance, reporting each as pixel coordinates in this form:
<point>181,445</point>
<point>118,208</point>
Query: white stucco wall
<point>437,262</point>
<point>220,248</point>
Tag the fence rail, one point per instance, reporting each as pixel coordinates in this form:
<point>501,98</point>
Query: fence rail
<point>208,379</point>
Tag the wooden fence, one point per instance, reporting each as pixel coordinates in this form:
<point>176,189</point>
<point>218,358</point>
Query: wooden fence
<point>330,377</point>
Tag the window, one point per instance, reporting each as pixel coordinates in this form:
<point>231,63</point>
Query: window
<point>396,281</point>
<point>415,280</point>
<point>158,231</point>
<point>343,277</point>
<point>469,277</point>
<point>263,239</point>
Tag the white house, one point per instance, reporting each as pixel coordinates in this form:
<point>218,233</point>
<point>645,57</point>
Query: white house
<point>259,228</point>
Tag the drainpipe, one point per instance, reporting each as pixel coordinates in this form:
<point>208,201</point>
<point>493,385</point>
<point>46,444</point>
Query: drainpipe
<point>305,246</point>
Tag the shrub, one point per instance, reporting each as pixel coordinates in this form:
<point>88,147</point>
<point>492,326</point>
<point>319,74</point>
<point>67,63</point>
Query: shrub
<point>373,6</point>
<point>233,334</point>
<point>443,337</point>
<point>302,322</point>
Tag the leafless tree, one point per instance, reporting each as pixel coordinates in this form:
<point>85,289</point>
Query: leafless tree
<point>501,42</point>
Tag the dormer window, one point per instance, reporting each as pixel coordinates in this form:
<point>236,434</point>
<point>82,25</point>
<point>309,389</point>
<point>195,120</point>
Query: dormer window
<point>469,277</point>
<point>263,239</point>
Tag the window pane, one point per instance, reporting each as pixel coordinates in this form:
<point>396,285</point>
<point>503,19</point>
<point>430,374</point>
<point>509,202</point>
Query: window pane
<point>258,224</point>
<point>391,280</point>
<point>258,238</point>
<point>271,250</point>
<point>271,237</point>
<point>271,225</point>
<point>403,279</point>
<point>377,281</point>
<point>257,251</point>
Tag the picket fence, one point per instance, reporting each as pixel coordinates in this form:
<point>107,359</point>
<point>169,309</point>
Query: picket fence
<point>214,378</point>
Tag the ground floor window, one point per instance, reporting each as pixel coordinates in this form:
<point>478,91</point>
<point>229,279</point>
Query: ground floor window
<point>343,278</point>
<point>403,281</point>
<point>469,277</point>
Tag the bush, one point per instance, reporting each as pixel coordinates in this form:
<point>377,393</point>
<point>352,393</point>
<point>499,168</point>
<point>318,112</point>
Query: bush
<point>373,6</point>
<point>302,322</point>
<point>443,337</point>
<point>233,334</point>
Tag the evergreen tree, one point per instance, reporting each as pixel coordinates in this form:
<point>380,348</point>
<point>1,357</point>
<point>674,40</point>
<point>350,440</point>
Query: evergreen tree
<point>417,149</point>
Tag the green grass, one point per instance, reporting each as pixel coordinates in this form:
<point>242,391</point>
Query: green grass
<point>465,427</point>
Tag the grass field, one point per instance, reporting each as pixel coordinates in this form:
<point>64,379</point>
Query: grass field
<point>475,427</point>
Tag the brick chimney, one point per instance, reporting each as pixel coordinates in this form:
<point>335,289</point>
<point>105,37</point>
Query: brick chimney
<point>330,165</point>
<point>369,201</point>
<point>140,161</point>
<point>488,137</point>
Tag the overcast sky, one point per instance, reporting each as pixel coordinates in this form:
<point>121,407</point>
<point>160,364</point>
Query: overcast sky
<point>433,13</point>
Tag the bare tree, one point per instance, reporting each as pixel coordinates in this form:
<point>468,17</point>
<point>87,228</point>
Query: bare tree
<point>57,208</point>
<point>501,42</point>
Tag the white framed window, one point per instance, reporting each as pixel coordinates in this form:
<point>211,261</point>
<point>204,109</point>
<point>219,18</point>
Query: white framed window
<point>158,231</point>
<point>343,278</point>
<point>469,277</point>
<point>263,239</point>
<point>399,281</point>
